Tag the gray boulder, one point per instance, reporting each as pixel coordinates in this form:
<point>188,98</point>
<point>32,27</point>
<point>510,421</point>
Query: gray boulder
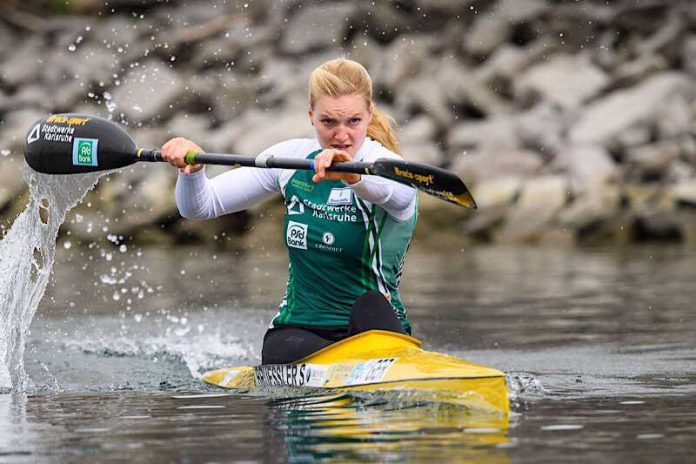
<point>419,95</point>
<point>684,193</point>
<point>587,167</point>
<point>254,133</point>
<point>148,91</point>
<point>315,27</point>
<point>494,133</point>
<point>15,126</point>
<point>24,66</point>
<point>418,130</point>
<point>566,80</point>
<point>651,162</point>
<point>403,59</point>
<point>592,207</point>
<point>502,191</point>
<point>190,126</point>
<point>540,202</point>
<point>506,62</point>
<point>489,164</point>
<point>423,152</point>
<point>609,122</point>
<point>494,27</point>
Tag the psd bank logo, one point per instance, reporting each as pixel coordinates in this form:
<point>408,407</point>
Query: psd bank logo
<point>84,152</point>
<point>297,235</point>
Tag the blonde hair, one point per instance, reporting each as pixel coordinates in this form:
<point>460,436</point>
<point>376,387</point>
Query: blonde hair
<point>344,77</point>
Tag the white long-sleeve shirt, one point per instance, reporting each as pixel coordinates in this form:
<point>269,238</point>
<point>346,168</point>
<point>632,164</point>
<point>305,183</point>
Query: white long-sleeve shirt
<point>199,197</point>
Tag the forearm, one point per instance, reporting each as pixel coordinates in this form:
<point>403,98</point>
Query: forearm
<point>397,199</point>
<point>198,197</point>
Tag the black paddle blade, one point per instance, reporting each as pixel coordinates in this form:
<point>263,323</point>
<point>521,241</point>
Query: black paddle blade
<point>77,143</point>
<point>430,179</point>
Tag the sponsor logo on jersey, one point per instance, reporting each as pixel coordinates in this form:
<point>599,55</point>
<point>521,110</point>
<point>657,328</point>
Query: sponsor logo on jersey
<point>340,196</point>
<point>337,213</point>
<point>295,206</point>
<point>85,152</point>
<point>302,185</point>
<point>297,235</point>
<point>328,238</point>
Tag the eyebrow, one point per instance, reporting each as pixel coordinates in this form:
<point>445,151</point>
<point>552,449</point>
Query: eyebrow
<point>326,116</point>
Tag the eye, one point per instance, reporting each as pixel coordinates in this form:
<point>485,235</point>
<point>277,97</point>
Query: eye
<point>355,121</point>
<point>327,121</point>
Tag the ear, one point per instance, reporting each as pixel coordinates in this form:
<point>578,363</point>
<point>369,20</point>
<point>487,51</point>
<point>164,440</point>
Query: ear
<point>311,115</point>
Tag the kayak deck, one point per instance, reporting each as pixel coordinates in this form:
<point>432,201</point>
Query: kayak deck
<point>379,361</point>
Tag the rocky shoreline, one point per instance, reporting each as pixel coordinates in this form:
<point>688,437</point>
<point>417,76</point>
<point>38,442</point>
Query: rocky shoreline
<point>573,123</point>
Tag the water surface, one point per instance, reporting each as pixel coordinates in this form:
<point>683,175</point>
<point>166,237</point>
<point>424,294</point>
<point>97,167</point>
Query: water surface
<point>598,345</point>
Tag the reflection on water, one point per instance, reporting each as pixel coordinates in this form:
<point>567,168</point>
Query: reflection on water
<point>386,427</point>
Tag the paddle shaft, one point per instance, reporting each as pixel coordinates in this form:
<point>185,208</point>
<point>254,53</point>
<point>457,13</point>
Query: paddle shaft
<point>256,161</point>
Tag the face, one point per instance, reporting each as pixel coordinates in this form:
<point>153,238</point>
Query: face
<point>341,122</point>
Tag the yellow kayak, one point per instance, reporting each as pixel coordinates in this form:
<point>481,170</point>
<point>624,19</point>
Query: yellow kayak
<point>377,360</point>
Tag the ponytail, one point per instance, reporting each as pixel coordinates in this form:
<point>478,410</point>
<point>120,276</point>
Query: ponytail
<point>381,129</point>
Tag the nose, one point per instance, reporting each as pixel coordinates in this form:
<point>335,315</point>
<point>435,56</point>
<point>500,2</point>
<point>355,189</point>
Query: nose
<point>341,134</point>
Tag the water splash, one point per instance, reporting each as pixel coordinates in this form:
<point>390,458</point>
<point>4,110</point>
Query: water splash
<point>26,258</point>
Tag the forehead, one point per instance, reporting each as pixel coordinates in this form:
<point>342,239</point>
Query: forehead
<point>343,105</point>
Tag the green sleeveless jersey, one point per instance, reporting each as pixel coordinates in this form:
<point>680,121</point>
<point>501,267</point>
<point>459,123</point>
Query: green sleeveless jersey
<point>339,247</point>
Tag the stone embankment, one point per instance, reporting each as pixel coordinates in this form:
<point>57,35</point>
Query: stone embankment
<point>572,122</point>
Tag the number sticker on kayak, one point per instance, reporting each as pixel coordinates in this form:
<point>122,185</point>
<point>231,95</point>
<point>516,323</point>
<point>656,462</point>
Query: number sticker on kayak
<point>371,371</point>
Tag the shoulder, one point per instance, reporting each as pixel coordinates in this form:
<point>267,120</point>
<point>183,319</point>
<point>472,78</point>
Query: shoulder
<point>373,150</point>
<point>293,148</point>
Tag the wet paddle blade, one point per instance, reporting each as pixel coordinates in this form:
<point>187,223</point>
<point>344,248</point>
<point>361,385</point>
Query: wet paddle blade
<point>77,143</point>
<point>430,179</point>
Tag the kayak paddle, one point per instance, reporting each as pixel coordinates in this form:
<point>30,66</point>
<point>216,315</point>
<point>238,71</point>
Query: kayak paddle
<point>78,143</point>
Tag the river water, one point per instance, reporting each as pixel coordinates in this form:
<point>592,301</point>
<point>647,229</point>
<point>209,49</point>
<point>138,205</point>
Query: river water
<point>598,345</point>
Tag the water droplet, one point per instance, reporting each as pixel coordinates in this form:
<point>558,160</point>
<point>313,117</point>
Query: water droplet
<point>72,48</point>
<point>5,152</point>
<point>67,244</point>
<point>122,248</point>
<point>116,296</point>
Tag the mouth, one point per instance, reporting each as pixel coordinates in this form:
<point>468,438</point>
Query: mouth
<point>340,146</point>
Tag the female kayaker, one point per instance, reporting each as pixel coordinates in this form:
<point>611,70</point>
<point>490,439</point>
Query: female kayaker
<point>346,234</point>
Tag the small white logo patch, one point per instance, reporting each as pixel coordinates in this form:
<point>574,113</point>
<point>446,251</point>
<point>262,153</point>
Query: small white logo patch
<point>340,196</point>
<point>295,206</point>
<point>328,238</point>
<point>297,235</point>
<point>34,134</point>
